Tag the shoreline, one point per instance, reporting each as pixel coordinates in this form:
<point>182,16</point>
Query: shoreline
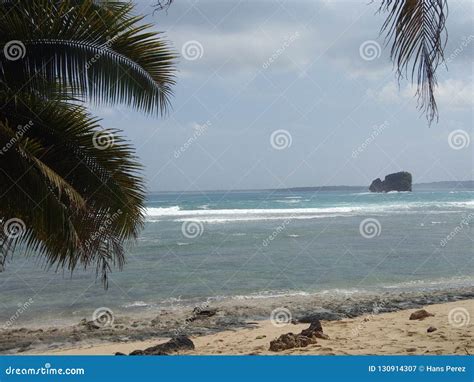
<point>256,305</point>
<point>233,315</point>
<point>383,333</point>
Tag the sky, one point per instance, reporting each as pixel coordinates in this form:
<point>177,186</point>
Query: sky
<point>275,94</point>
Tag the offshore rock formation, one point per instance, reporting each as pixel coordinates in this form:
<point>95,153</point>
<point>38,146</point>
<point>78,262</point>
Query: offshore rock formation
<point>399,181</point>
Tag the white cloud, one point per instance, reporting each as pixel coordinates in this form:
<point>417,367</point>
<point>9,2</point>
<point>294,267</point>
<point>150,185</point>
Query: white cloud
<point>391,93</point>
<point>329,31</point>
<point>450,94</point>
<point>455,94</point>
<point>288,48</point>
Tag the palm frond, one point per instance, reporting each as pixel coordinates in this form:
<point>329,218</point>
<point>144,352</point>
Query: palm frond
<point>417,30</point>
<point>161,5</point>
<point>80,201</point>
<point>103,53</point>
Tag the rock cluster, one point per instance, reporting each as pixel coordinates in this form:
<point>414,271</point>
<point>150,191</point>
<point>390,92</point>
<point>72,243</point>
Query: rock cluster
<point>306,337</point>
<point>172,346</point>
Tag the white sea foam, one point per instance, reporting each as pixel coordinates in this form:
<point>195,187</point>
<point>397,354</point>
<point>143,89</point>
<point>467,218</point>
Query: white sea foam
<point>135,304</point>
<point>162,211</point>
<point>469,203</point>
<point>267,294</point>
<point>289,201</point>
<point>225,215</point>
<point>176,211</point>
<point>177,214</point>
<point>449,282</point>
<point>441,283</point>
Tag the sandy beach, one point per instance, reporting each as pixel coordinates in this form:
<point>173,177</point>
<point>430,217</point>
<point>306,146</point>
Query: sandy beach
<point>385,333</point>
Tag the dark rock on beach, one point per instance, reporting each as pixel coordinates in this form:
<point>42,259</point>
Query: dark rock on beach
<point>208,312</point>
<point>202,313</point>
<point>306,337</point>
<point>420,315</point>
<point>315,330</point>
<point>290,341</point>
<point>89,325</point>
<point>321,314</point>
<point>431,329</point>
<point>314,327</point>
<point>399,181</point>
<point>172,346</point>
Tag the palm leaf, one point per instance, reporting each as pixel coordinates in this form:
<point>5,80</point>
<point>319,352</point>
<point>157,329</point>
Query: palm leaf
<point>162,4</point>
<point>417,30</point>
<point>80,202</point>
<point>108,59</point>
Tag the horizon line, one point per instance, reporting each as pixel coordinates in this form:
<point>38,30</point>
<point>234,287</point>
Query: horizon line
<point>300,187</point>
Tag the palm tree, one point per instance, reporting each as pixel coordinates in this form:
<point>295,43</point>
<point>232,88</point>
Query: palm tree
<point>71,191</point>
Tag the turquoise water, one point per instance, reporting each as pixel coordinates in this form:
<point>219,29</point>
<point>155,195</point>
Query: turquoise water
<point>213,245</point>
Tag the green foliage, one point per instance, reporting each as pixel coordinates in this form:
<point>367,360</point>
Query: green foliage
<point>103,53</point>
<point>76,187</point>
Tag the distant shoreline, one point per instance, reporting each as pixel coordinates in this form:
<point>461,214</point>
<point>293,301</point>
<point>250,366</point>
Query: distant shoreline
<point>464,185</point>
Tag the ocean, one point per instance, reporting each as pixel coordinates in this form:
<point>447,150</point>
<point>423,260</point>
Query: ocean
<point>246,245</point>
